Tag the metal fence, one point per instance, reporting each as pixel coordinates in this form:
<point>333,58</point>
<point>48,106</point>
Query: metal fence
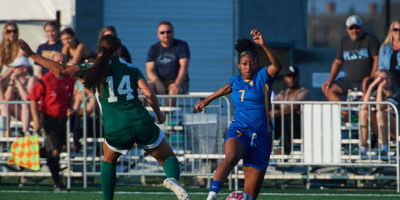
<point>322,138</point>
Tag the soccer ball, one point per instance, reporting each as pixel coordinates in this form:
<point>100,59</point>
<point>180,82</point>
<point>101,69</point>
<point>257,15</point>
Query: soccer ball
<point>239,195</point>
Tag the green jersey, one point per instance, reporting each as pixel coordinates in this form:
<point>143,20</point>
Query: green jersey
<point>119,102</point>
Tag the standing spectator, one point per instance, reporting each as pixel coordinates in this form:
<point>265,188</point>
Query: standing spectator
<point>167,62</point>
<point>75,51</point>
<point>54,93</point>
<point>379,90</point>
<point>110,30</point>
<point>389,55</point>
<point>19,87</point>
<point>52,46</point>
<point>359,53</point>
<point>294,92</point>
<point>248,136</point>
<point>9,50</point>
<point>126,121</point>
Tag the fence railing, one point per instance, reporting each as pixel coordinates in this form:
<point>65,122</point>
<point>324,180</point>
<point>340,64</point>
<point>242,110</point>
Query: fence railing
<point>312,135</point>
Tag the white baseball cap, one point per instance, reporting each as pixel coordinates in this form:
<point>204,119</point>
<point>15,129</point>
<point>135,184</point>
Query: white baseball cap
<point>20,61</point>
<point>353,20</point>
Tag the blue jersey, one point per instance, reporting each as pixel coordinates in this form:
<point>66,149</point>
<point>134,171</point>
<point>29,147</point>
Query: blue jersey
<point>250,100</point>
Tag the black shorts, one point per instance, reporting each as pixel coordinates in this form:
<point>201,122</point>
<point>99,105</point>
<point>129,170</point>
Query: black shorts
<point>345,84</point>
<point>54,131</point>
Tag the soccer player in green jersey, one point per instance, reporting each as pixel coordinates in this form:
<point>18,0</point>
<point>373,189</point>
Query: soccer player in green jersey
<point>126,121</point>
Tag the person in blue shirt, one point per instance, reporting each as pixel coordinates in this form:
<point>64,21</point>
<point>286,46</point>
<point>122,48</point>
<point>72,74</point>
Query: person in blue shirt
<point>389,54</point>
<point>248,136</point>
<point>51,47</point>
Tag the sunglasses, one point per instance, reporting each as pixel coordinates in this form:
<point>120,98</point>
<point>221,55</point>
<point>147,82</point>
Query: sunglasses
<point>396,29</point>
<point>354,27</point>
<point>11,31</point>
<point>163,32</point>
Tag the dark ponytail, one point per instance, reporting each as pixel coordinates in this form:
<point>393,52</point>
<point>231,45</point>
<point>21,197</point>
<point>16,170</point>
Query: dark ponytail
<point>96,75</point>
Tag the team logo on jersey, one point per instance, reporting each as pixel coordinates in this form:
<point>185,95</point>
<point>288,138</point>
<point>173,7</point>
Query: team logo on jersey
<point>239,134</point>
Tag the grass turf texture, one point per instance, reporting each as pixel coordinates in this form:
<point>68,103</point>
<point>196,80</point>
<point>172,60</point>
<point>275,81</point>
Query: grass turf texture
<point>160,193</point>
<point>130,188</point>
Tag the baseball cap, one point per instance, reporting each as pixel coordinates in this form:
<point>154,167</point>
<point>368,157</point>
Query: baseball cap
<point>353,20</point>
<point>20,61</point>
<point>292,71</point>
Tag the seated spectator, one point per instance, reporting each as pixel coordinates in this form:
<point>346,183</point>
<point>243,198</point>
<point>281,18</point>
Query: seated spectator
<point>9,51</point>
<point>358,52</point>
<point>20,85</point>
<point>51,46</point>
<point>167,62</point>
<point>82,94</point>
<point>379,90</point>
<point>294,92</point>
<point>389,55</point>
<point>76,52</point>
<point>110,30</point>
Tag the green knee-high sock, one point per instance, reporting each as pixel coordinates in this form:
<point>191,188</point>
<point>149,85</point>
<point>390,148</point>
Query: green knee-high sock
<point>171,167</point>
<point>108,178</point>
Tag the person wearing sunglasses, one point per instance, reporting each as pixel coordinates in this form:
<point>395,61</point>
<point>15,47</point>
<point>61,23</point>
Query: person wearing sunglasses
<point>9,50</point>
<point>167,62</point>
<point>358,52</point>
<point>389,55</point>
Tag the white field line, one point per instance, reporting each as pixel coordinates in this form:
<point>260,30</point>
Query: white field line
<point>205,193</point>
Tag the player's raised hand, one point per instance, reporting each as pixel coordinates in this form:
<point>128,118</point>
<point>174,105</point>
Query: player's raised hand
<point>25,47</point>
<point>257,37</point>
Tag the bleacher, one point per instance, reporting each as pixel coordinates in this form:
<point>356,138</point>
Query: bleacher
<point>197,139</point>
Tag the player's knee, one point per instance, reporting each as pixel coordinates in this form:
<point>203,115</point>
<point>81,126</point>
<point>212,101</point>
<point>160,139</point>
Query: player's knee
<point>232,159</point>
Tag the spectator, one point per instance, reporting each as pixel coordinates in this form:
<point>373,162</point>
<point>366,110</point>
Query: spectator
<point>167,62</point>
<point>82,94</point>
<point>248,136</point>
<point>54,93</point>
<point>379,90</point>
<point>359,53</point>
<point>51,46</point>
<point>19,87</point>
<point>75,51</point>
<point>110,30</point>
<point>9,50</point>
<point>294,92</point>
<point>389,55</point>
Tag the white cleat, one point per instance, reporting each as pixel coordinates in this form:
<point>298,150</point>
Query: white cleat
<point>173,185</point>
<point>212,196</point>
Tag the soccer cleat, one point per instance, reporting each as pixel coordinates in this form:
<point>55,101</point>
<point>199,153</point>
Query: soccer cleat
<point>173,185</point>
<point>60,188</point>
<point>212,196</point>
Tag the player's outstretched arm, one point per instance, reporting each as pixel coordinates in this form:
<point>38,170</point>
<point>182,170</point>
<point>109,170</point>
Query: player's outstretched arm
<point>224,90</point>
<point>151,99</point>
<point>47,63</point>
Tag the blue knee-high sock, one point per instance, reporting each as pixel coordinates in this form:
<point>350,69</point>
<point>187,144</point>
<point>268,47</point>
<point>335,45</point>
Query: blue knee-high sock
<point>108,179</point>
<point>215,186</point>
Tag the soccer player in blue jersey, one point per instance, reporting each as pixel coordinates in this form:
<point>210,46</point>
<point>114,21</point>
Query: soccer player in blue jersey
<point>248,136</point>
<point>125,119</point>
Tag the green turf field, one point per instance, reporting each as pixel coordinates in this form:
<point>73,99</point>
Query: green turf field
<point>131,189</point>
<point>159,193</point>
